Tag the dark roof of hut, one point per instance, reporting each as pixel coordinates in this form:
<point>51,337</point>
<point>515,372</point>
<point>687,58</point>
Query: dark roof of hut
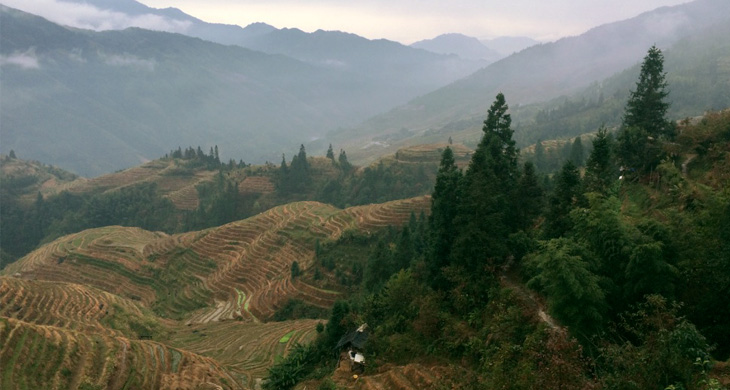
<point>355,338</point>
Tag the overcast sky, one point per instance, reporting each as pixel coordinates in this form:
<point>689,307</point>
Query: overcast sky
<point>411,20</point>
<point>405,21</point>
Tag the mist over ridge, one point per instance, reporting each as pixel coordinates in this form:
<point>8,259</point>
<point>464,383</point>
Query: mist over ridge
<point>113,99</point>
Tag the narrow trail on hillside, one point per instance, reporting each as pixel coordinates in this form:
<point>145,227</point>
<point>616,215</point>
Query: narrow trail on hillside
<point>510,279</point>
<point>686,163</point>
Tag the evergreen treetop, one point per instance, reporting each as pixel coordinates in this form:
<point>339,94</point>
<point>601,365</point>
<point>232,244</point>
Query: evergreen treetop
<point>647,108</point>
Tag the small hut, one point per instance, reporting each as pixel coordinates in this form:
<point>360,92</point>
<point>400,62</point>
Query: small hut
<point>353,343</point>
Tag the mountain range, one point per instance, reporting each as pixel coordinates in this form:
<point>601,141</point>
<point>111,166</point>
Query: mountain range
<point>113,99</point>
<point>98,101</point>
<point>547,71</point>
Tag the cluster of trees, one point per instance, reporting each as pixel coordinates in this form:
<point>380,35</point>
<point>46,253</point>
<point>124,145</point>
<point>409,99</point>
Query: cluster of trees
<point>548,160</point>
<point>637,298</point>
<point>24,227</point>
<point>294,178</point>
<point>211,160</point>
<point>299,180</point>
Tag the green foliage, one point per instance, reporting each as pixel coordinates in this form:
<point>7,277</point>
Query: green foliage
<point>295,309</point>
<point>295,271</point>
<point>644,123</point>
<point>601,170</point>
<point>195,158</point>
<point>327,384</point>
<point>338,323</point>
<point>568,194</point>
<point>529,198</point>
<point>374,184</point>
<point>24,227</point>
<point>394,309</point>
<point>444,208</point>
<point>577,155</point>
<point>483,220</point>
<point>219,203</point>
<point>285,374</point>
<point>575,297</point>
<point>344,164</point>
<point>660,352</point>
<point>647,108</point>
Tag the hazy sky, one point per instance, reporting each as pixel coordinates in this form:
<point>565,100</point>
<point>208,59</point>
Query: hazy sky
<point>401,20</point>
<point>411,20</point>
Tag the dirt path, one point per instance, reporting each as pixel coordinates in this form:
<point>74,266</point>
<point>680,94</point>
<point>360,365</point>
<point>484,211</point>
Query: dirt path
<point>510,280</point>
<point>686,162</point>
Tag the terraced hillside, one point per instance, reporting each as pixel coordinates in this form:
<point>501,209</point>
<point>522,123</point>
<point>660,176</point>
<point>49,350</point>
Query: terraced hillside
<point>239,270</point>
<point>75,307</point>
<point>431,153</point>
<point>174,178</point>
<point>247,349</point>
<point>50,357</point>
<point>129,308</point>
<point>25,178</point>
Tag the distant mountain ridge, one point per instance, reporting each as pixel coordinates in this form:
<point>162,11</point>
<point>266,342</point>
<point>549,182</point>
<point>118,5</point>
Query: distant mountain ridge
<point>459,44</point>
<point>338,49</point>
<point>489,50</point>
<point>541,72</point>
<point>95,102</point>
<point>508,45</point>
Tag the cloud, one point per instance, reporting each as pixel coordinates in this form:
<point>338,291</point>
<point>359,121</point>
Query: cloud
<point>89,17</point>
<point>26,60</point>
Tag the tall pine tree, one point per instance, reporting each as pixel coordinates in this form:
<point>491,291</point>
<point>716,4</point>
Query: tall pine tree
<point>647,107</point>
<point>483,223</point>
<point>644,123</point>
<point>568,195</point>
<point>601,170</point>
<point>444,206</point>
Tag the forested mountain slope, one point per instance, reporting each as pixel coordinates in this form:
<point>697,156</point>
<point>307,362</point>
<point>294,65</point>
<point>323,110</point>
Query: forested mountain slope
<point>607,278</point>
<point>564,67</point>
<point>95,102</point>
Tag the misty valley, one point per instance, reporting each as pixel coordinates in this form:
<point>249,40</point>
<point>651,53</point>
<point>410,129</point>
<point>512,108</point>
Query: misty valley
<point>207,206</point>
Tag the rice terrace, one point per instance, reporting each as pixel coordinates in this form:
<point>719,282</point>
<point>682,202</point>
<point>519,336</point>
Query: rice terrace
<point>355,198</point>
<point>123,308</point>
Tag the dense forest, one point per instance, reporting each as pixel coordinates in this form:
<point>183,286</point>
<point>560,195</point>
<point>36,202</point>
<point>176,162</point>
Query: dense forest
<point>616,277</point>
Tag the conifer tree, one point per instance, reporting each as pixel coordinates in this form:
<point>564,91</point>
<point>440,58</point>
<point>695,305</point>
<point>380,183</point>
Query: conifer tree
<point>529,198</point>
<point>444,206</point>
<point>283,175</point>
<point>487,195</point>
<point>644,123</point>
<point>568,195</point>
<point>299,176</point>
<point>600,168</point>
<point>344,164</point>
<point>330,153</point>
<point>576,152</point>
<point>647,107</point>
<point>540,157</point>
